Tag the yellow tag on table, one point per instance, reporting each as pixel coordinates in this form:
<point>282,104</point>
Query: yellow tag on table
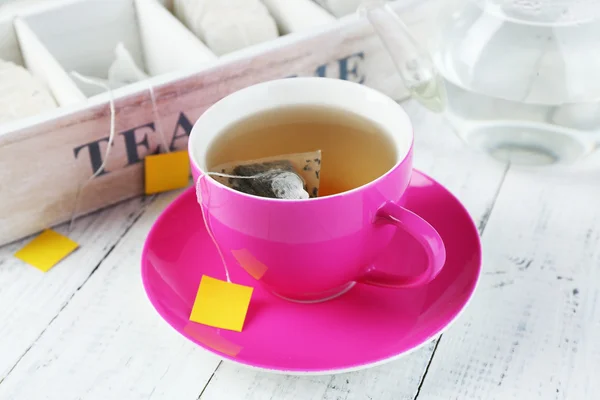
<point>46,250</point>
<point>221,304</point>
<point>168,171</point>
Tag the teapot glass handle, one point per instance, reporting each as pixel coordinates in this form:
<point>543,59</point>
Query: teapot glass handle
<point>412,62</point>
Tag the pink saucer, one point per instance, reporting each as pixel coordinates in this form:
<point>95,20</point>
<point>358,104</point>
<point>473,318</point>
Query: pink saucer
<point>364,327</point>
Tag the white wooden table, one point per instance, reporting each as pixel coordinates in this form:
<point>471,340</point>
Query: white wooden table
<point>85,330</point>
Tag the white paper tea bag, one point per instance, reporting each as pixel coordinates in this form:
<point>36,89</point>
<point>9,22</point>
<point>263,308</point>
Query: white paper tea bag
<point>121,72</point>
<point>21,94</point>
<point>227,25</point>
<point>340,8</point>
<point>287,176</point>
<point>298,15</point>
<point>124,70</point>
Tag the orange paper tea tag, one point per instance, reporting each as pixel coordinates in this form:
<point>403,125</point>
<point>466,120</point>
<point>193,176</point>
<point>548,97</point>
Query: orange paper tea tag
<point>168,171</point>
<point>255,268</point>
<point>209,338</point>
<point>46,250</point>
<point>221,304</point>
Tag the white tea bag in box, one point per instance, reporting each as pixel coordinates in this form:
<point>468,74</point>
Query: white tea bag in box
<point>298,15</point>
<point>121,72</point>
<point>227,25</point>
<point>124,70</point>
<point>339,8</point>
<point>21,94</point>
<point>289,176</point>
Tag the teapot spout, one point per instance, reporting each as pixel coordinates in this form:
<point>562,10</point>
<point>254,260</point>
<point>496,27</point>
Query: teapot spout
<point>413,63</point>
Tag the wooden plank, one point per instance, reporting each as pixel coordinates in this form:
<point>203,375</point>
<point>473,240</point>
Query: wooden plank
<point>41,165</point>
<point>395,381</point>
<point>532,329</point>
<point>31,299</point>
<point>84,351</point>
<point>108,342</point>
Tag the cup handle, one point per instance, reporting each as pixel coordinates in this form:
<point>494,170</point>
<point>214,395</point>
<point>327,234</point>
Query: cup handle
<point>427,237</point>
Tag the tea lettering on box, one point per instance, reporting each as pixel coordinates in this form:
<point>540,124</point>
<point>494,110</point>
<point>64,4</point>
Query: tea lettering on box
<point>134,140</point>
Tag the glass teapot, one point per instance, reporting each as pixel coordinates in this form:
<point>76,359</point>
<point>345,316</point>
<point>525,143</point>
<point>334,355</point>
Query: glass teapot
<point>518,79</point>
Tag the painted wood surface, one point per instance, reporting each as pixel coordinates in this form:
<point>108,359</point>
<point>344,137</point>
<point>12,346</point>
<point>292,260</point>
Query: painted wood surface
<point>101,338</point>
<point>45,192</point>
<point>109,338</point>
<point>533,327</point>
<point>86,331</point>
<point>31,299</point>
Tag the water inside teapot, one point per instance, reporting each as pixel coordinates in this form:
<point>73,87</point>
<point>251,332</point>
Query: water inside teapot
<point>518,78</point>
<point>525,90</point>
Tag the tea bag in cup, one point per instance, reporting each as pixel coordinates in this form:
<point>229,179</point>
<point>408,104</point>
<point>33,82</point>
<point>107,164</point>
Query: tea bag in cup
<point>287,176</point>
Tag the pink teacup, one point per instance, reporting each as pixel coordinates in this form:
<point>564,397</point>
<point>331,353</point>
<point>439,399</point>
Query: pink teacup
<point>314,249</point>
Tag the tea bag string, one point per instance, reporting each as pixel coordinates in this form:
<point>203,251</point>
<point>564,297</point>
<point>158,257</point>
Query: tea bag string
<point>157,120</point>
<point>111,137</point>
<point>204,215</point>
<point>205,219</point>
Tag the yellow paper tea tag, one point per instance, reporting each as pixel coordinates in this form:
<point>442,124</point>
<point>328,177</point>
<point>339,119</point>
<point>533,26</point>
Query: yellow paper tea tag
<point>46,250</point>
<point>221,304</point>
<point>168,171</point>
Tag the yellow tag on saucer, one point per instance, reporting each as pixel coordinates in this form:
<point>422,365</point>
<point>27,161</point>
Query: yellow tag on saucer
<point>221,304</point>
<point>168,171</point>
<point>46,250</point>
